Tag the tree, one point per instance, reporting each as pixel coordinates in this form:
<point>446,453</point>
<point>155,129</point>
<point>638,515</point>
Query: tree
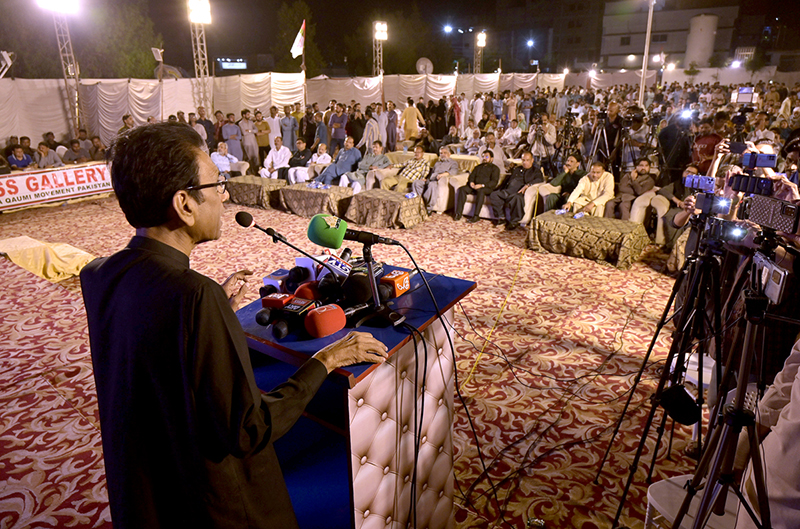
<point>290,19</point>
<point>110,38</point>
<point>27,30</point>
<point>120,40</point>
<point>692,71</point>
<point>756,62</point>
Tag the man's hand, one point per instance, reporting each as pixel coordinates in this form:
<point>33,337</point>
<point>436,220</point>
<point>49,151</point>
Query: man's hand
<point>472,185</point>
<point>634,174</point>
<point>235,287</point>
<point>523,189</point>
<point>354,348</point>
<point>689,203</point>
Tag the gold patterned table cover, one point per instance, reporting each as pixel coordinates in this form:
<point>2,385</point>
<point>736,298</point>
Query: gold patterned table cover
<point>618,242</point>
<point>255,191</point>
<point>307,201</point>
<point>381,208</point>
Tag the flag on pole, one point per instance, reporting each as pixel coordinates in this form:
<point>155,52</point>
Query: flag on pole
<point>299,41</point>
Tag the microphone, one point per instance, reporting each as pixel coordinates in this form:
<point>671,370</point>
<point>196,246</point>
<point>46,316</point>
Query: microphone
<point>331,233</point>
<point>329,319</point>
<point>245,220</point>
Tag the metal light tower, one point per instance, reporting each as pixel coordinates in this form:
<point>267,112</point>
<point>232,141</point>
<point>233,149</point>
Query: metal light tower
<point>480,43</point>
<point>646,53</point>
<point>381,33</point>
<point>199,16</point>
<point>69,66</point>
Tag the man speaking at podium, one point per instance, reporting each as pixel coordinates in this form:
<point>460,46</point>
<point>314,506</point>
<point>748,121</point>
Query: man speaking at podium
<point>187,435</point>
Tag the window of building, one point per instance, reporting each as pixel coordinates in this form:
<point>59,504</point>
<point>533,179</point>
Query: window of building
<point>624,41</point>
<point>660,38</point>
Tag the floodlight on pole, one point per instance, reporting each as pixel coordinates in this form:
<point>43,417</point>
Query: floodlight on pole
<point>69,66</point>
<point>65,7</point>
<point>448,29</point>
<point>530,43</point>
<point>379,34</point>
<point>199,16</point>
<point>480,43</point>
<point>199,11</point>
<point>643,80</point>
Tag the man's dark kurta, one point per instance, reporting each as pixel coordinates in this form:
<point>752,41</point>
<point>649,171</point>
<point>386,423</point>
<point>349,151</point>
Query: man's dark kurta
<point>487,174</point>
<point>187,435</point>
<point>508,193</point>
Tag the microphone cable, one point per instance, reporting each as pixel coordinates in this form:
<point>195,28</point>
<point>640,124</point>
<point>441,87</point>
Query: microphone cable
<point>470,420</point>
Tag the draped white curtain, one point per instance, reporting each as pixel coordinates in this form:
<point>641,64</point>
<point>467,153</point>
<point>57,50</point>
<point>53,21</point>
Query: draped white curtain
<point>31,107</point>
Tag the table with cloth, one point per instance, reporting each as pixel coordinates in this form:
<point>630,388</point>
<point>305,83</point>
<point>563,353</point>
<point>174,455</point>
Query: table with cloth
<point>380,208</point>
<point>306,201</point>
<point>619,242</point>
<point>255,191</point>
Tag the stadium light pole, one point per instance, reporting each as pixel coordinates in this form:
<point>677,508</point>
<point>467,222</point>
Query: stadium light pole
<point>646,52</point>
<point>69,66</point>
<point>480,43</point>
<point>380,34</point>
<point>199,16</point>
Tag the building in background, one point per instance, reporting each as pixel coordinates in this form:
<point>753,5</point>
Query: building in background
<point>684,31</point>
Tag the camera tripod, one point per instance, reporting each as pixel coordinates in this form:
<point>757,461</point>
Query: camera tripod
<point>716,465</point>
<point>599,134</point>
<point>566,146</point>
<point>701,273</point>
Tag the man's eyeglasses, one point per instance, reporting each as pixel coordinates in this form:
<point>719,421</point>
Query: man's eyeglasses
<point>221,185</point>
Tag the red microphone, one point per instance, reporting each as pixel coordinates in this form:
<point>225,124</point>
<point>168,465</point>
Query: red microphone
<point>325,320</point>
<point>308,290</point>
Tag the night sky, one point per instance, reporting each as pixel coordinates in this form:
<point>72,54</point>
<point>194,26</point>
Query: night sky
<point>243,27</point>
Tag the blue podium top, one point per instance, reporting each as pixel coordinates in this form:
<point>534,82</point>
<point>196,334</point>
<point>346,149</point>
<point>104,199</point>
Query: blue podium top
<point>416,305</point>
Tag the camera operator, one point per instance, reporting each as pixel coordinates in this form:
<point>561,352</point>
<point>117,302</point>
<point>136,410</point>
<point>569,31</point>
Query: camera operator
<point>611,142</point>
<point>676,144</point>
<point>541,139</point>
<point>636,136</point>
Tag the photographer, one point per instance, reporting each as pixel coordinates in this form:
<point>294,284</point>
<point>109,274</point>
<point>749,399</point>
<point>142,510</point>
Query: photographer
<point>541,139</point>
<point>676,144</point>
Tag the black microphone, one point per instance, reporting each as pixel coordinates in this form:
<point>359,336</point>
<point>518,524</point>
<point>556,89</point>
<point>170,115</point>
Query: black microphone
<point>365,237</point>
<point>246,220</point>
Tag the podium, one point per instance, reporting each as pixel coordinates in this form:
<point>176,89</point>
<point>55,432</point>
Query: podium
<point>349,460</point>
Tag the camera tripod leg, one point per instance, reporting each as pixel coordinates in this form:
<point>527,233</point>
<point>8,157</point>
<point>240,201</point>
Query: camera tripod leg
<point>659,326</point>
<point>676,351</point>
<point>723,450</point>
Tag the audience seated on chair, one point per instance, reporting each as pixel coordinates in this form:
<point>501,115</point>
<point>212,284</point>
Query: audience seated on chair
<point>297,175</point>
<point>511,192</point>
<point>300,158</point>
<point>632,185</point>
<point>434,189</point>
<point>373,160</point>
<point>557,190</point>
<point>346,161</point>
<point>410,170</point>
<point>224,160</point>
<point>592,192</point>
<point>277,158</point>
<point>481,182</point>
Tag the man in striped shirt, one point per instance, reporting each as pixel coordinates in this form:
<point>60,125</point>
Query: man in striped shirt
<point>414,169</point>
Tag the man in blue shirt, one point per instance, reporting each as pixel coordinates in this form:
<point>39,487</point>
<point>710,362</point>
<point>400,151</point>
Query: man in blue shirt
<point>346,161</point>
<point>321,134</point>
<point>19,160</point>
<point>337,123</point>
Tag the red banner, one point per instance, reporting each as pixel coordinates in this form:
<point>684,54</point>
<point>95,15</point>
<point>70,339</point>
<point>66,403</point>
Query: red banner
<point>53,185</point>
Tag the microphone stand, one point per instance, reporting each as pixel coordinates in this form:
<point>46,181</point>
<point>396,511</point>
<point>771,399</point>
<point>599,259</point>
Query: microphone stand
<point>278,237</point>
<point>383,314</point>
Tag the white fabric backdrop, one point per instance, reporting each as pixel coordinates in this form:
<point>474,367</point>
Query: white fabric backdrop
<point>31,107</point>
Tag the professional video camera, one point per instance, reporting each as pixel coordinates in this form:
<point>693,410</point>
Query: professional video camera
<point>739,120</point>
<point>655,119</point>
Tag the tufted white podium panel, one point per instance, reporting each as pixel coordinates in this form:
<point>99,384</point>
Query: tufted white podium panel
<point>381,409</point>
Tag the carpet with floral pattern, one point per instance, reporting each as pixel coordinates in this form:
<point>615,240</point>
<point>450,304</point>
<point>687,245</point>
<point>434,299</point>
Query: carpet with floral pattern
<point>547,350</point>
